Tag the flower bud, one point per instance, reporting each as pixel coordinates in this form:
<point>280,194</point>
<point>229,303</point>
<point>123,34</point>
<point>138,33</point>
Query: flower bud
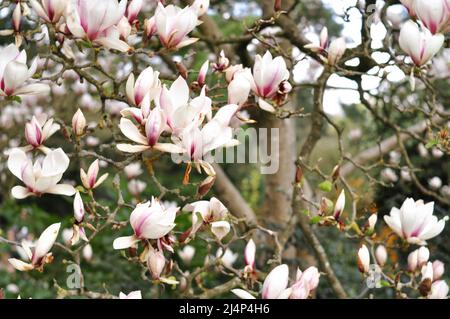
<point>78,123</point>
<point>336,50</point>
<point>202,74</point>
<point>156,263</point>
<point>276,282</point>
<point>422,256</point>
<point>438,269</point>
<point>439,290</point>
<point>371,221</point>
<point>412,260</point>
<point>381,255</point>
<point>339,206</point>
<point>17,16</point>
<point>186,254</point>
<point>78,208</point>
<point>363,259</point>
<point>87,253</point>
<point>249,255</point>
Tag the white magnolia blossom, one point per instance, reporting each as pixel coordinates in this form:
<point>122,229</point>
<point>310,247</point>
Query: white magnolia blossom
<point>149,220</point>
<point>133,170</point>
<point>439,290</point>
<point>78,123</point>
<point>363,259</point>
<point>381,255</point>
<point>186,254</point>
<point>173,25</point>
<point>420,45</point>
<point>38,255</point>
<point>249,255</point>
<point>414,221</point>
<point>14,73</point>
<point>228,257</point>
<point>96,21</point>
<point>147,83</point>
<point>212,213</point>
<point>42,176</point>
<point>434,14</point>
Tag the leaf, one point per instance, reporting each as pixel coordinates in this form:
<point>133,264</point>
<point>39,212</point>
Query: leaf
<point>316,219</point>
<point>431,143</point>
<point>326,186</point>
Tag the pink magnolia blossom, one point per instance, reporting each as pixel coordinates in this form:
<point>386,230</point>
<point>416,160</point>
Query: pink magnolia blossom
<point>155,125</point>
<point>339,206</point>
<point>50,11</point>
<point>202,73</point>
<point>42,176</point>
<point>420,45</point>
<point>305,282</point>
<point>149,220</point>
<point>323,42</point>
<point>434,14</point>
<point>222,63</point>
<point>414,221</point>
<point>97,21</point>
<point>268,74</point>
<point>147,83</point>
<point>38,255</point>
<point>133,9</point>
<point>89,179</point>
<point>336,50</point>
<point>14,73</point>
<point>155,262</point>
<point>37,131</point>
<point>78,123</point>
<point>239,88</point>
<point>173,24</point>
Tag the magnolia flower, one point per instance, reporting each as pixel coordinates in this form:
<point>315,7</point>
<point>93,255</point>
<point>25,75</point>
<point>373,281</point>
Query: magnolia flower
<point>14,73</point>
<point>50,10</point>
<point>201,6</point>
<point>435,183</point>
<point>421,46</point>
<point>78,212</point>
<point>180,111</point>
<point>87,253</point>
<point>37,131</point>
<point>97,21</point>
<point>371,222</point>
<point>147,83</point>
<point>228,258</point>
<point>212,213</point>
<point>438,269</point>
<point>150,27</point>
<point>249,255</point>
<point>149,220</point>
<point>323,42</point>
<point>198,143</point>
<point>305,282</point>
<point>239,88</point>
<point>202,73</point>
<point>427,272</point>
<point>132,295</point>
<point>439,290</point>
<point>89,180</point>
<point>339,206</point>
<point>276,282</point>
<point>268,74</point>
<point>186,254</point>
<point>133,9</point>
<point>222,63</point>
<point>414,221</point>
<point>39,255</point>
<point>173,25</point>
<point>124,29</point>
<point>133,170</point>
<point>155,125</point>
<point>336,50</point>
<point>381,255</point>
<point>42,177</point>
<point>363,259</point>
<point>434,14</point>
<point>155,262</point>
<point>78,123</point>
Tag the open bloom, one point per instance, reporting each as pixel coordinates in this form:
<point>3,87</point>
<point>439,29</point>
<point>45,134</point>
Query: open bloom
<point>420,45</point>
<point>149,220</point>
<point>42,177</point>
<point>37,131</point>
<point>173,24</point>
<point>180,111</point>
<point>212,213</point>
<point>305,282</point>
<point>133,10</point>
<point>323,42</point>
<point>186,254</point>
<point>268,74</point>
<point>439,290</point>
<point>97,21</point>
<point>239,87</point>
<point>434,14</point>
<point>155,125</point>
<point>14,73</point>
<point>38,255</point>
<point>132,295</point>
<point>414,221</point>
<point>147,83</point>
<point>336,50</point>
<point>89,179</point>
<point>49,10</point>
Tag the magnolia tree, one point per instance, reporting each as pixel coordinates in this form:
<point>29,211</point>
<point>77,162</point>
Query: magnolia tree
<point>186,149</point>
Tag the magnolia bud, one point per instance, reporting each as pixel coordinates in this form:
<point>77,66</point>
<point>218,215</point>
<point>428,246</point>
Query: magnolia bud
<point>438,269</point>
<point>156,262</point>
<point>277,5</point>
<point>412,260</point>
<point>87,253</point>
<point>371,222</point>
<point>339,206</point>
<point>78,208</point>
<point>381,255</point>
<point>363,259</point>
<point>249,255</point>
<point>17,16</point>
<point>150,27</point>
<point>78,123</point>
<point>336,50</point>
<point>205,186</point>
<point>422,256</point>
<point>202,73</point>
